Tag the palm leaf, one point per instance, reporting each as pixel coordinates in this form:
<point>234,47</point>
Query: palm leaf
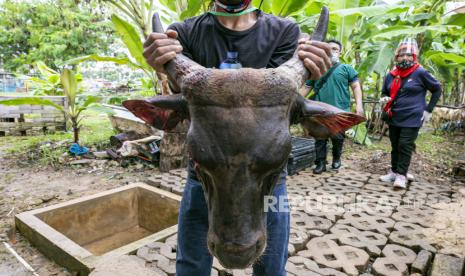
<point>31,101</point>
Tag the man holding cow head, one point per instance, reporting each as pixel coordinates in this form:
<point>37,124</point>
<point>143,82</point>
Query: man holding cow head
<point>233,34</point>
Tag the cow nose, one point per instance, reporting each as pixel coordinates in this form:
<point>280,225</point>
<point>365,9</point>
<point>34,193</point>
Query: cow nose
<point>236,255</point>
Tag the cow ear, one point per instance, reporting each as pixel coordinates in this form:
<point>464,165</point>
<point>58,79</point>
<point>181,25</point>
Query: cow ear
<point>322,120</point>
<point>161,112</point>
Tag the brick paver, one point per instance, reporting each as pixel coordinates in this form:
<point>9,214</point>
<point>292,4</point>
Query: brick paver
<point>339,221</point>
<point>328,253</point>
<point>370,241</point>
<point>395,261</point>
<point>363,221</point>
<point>412,236</point>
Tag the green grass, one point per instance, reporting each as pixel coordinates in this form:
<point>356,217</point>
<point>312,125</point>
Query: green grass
<point>430,143</point>
<point>95,132</point>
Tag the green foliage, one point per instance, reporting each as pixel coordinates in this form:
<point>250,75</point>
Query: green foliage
<point>49,31</point>
<point>359,134</point>
<point>50,83</point>
<point>132,35</point>
<point>76,103</point>
<point>95,132</point>
<point>379,57</point>
<point>445,59</point>
<point>370,33</point>
<point>116,60</point>
<point>396,31</point>
<point>31,101</point>
<point>147,89</point>
<point>193,8</point>
<point>131,39</point>
<point>457,19</point>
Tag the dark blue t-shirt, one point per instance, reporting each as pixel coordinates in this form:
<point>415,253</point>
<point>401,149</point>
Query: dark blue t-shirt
<point>270,42</point>
<point>407,109</point>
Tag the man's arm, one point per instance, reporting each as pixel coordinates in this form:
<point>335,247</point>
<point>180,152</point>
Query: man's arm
<point>357,90</point>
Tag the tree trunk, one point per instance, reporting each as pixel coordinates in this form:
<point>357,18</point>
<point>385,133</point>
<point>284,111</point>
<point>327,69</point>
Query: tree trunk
<point>444,92</point>
<point>358,61</point>
<point>456,97</point>
<point>378,85</point>
<point>173,154</point>
<point>76,134</point>
<point>462,97</point>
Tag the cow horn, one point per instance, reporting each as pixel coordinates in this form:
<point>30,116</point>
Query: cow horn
<point>181,66</point>
<point>295,67</point>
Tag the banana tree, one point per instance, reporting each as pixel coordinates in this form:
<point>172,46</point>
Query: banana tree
<point>139,13</point>
<point>133,43</point>
<point>48,84</point>
<point>76,103</point>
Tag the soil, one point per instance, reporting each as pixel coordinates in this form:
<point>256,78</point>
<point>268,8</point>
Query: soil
<point>27,186</point>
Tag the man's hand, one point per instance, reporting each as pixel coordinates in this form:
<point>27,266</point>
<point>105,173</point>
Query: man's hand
<point>316,57</point>
<point>161,48</point>
<point>359,110</point>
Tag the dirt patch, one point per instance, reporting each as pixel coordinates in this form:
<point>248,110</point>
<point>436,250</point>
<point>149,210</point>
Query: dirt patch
<point>432,160</point>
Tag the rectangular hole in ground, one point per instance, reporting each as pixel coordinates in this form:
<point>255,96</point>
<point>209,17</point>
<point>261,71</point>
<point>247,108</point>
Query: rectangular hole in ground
<point>105,223</point>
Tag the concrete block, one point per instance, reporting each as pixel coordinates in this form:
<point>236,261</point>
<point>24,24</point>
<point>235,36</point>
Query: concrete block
<point>421,215</point>
<point>370,241</point>
<point>298,265</point>
<point>305,222</point>
<point>447,265</point>
<point>395,261</point>
<point>422,262</point>
<point>83,232</point>
<point>123,265</point>
<point>365,222</point>
<point>412,236</point>
<point>328,253</point>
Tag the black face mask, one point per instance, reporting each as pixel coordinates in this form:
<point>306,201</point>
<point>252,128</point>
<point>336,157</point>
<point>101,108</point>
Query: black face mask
<point>405,64</point>
<point>232,2</point>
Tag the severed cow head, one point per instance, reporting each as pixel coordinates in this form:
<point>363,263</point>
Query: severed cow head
<point>239,140</point>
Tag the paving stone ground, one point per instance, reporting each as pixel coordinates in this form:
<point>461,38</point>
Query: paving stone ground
<point>344,223</point>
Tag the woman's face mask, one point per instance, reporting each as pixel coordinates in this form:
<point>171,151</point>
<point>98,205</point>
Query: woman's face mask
<point>405,61</point>
<point>405,64</point>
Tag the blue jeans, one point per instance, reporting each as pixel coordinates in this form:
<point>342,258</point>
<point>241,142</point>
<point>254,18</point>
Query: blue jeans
<point>193,257</point>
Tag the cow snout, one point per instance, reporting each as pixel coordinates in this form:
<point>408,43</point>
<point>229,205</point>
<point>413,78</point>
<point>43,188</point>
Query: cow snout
<point>237,255</point>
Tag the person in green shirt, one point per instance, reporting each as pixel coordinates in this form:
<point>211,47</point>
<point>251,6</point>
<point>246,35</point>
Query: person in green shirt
<point>333,89</point>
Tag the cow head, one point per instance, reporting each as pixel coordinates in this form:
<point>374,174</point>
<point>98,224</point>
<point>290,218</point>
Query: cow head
<point>239,140</point>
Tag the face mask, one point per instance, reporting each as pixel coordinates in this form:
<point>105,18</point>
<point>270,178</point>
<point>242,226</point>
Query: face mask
<point>334,58</point>
<point>405,64</point>
<point>233,7</point>
<point>233,14</point>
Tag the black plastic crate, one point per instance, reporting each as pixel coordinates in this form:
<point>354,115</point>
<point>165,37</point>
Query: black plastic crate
<point>302,155</point>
